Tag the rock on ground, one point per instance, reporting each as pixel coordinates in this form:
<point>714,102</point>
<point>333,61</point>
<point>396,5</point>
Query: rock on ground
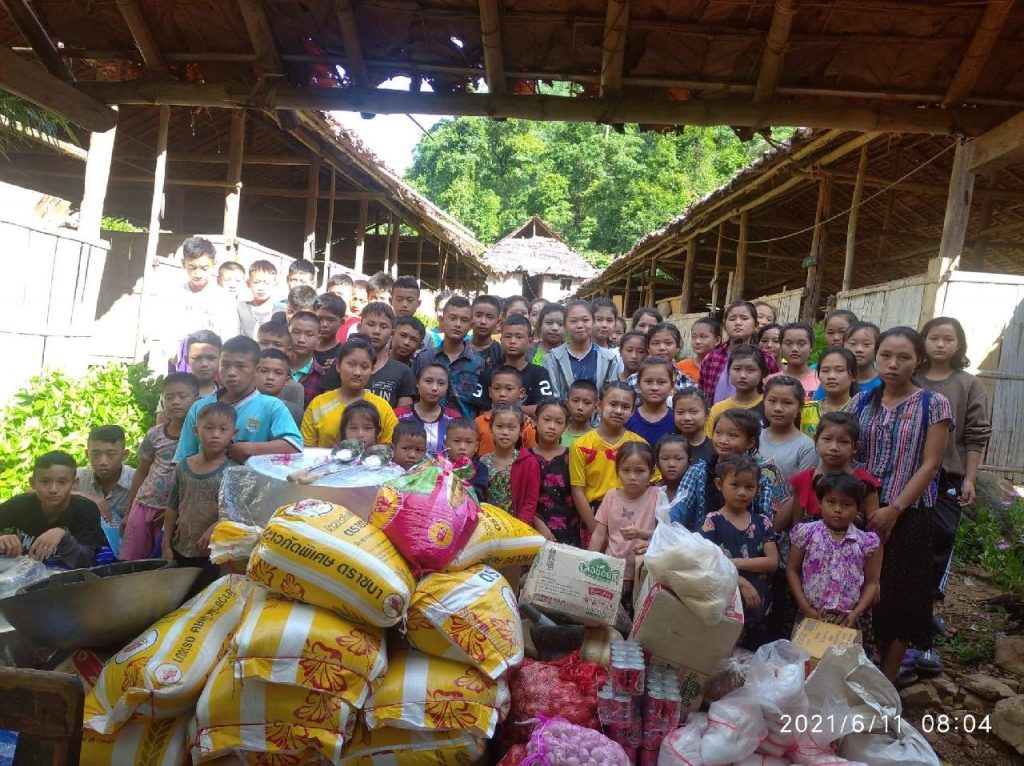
<point>987,687</point>
<point>920,695</point>
<point>1008,721</point>
<point>1010,654</point>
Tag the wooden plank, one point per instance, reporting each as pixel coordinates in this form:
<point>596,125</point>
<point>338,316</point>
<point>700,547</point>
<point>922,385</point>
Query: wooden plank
<point>775,45</point>
<point>97,173</point>
<point>312,198</point>
<point>32,29</point>
<point>616,26</point>
<point>490,34</point>
<point>716,277</point>
<point>1001,146</point>
<point>958,204</point>
<point>141,33</point>
<point>977,54</point>
<point>686,295</point>
<point>261,35</point>
<point>851,226</point>
<point>233,195</point>
<point>355,66</point>
<point>739,278</point>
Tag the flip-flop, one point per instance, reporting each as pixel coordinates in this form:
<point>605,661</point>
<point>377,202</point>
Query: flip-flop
<point>909,658</point>
<point>943,627</point>
<point>906,678</point>
<point>928,663</point>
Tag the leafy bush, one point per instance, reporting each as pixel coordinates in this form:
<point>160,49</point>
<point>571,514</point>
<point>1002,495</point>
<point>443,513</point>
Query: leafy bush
<point>429,320</point>
<point>56,411</point>
<point>996,542</point>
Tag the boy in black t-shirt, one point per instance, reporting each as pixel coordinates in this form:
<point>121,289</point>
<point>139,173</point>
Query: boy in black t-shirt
<point>50,522</point>
<point>515,339</point>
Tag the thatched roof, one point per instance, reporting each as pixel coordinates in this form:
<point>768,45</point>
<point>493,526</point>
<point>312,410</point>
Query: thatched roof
<point>536,248</point>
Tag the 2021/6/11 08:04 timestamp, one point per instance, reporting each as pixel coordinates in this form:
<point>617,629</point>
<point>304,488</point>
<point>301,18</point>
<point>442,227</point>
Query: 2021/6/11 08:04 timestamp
<point>846,724</point>
<point>946,723</point>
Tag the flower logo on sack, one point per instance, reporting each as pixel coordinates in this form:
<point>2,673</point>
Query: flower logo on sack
<point>140,644</point>
<point>599,569</point>
<point>310,508</point>
<point>252,425</point>
<point>441,534</point>
<point>385,507</point>
<point>393,606</point>
<point>510,600</point>
<point>167,674</point>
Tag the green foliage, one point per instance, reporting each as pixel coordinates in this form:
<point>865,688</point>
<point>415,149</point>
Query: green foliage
<point>429,320</point>
<point>56,411</point>
<point>110,223</point>
<point>996,544</point>
<point>600,188</point>
<point>44,124</point>
<point>975,644</point>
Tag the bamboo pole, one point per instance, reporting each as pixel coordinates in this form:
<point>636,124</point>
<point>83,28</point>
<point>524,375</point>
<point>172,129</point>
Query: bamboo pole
<point>626,293</point>
<point>490,35</point>
<point>775,44</point>
<point>816,268</point>
<point>616,26</point>
<point>978,52</point>
<point>393,245</point>
<point>97,177</point>
<point>233,195</point>
<point>155,213</point>
<point>330,227</point>
<point>686,295</point>
<point>364,208</point>
<point>312,198</point>
<point>32,29</point>
<point>739,281</point>
<point>716,277</point>
<point>142,34</point>
<point>729,295</point>
<point>851,227</point>
<point>419,258</point>
<point>354,64</point>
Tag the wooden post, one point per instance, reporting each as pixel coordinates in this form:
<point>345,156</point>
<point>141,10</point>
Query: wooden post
<point>419,257</point>
<point>330,227</point>
<point>816,259</point>
<point>97,173</point>
<point>958,206</point>
<point>396,241</point>
<point>717,276</point>
<point>686,295</point>
<point>233,195</point>
<point>729,296</point>
<point>312,198</point>
<point>977,260</point>
<point>740,276</point>
<point>851,226</point>
<point>364,208</point>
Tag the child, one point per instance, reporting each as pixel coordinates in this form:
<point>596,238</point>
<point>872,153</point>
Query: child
<point>461,439</point>
<point>740,324</point>
<point>768,339</point>
<point>107,480</point>
<point>506,387</point>
<point>837,323</point>
<point>557,519</point>
<point>515,339</point>
<point>341,286</point>
<point>705,335</point>
<point>300,298</point>
<point>330,310</point>
<point>231,277</point>
<point>378,289</point>
<point>550,333</point>
<point>514,304</point>
<point>409,442</point>
<point>620,328</point>
<point>747,539</point>
<point>436,335</point>
<point>671,456</point>
<point>580,358</point>
<point>304,331</point>
<point>836,442</point>
<point>862,340</point>
<point>747,370</point>
<point>592,467</point>
<point>582,401</point>
<point>625,521</point>
<point>260,307</point>
<point>274,336</point>
<point>147,497</point>
<point>653,418</point>
<point>513,474</point>
<point>797,341</point>
<point>486,312</point>
<point>632,352</point>
<point>782,441</point>
<point>390,380</point>
<point>202,350</point>
<point>834,568</point>
<point>664,342</point>
<point>427,411</point>
<point>355,302</point>
<point>405,296</point>
<point>50,521</point>
<point>321,425</point>
<point>273,373</point>
<point>301,272</point>
<point>644,318</point>
<point>837,372</point>
<point>690,411</point>
<point>605,315</point>
<point>765,313</point>
<point>535,308</point>
<point>361,423</point>
<point>408,339</point>
<point>464,365</point>
<point>192,497</point>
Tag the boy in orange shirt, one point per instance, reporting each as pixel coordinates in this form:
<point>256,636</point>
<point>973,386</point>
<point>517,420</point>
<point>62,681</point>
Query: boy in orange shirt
<point>506,388</point>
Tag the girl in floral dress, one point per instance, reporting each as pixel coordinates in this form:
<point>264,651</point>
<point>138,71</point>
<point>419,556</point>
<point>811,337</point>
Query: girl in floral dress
<point>514,475</point>
<point>557,518</point>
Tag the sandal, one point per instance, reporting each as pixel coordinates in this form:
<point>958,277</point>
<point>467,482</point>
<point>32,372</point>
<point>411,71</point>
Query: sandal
<point>928,664</point>
<point>906,678</point>
<point>943,627</point>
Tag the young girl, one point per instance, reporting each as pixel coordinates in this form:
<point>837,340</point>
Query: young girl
<point>432,387</point>
<point>633,351</point>
<point>782,442</point>
<point>833,568</point>
<point>765,313</point>
<point>625,519</point>
<point>690,410</point>
<point>705,334</point>
<point>837,373</point>
<point>592,456</point>
<point>862,340</point>
<point>835,442</point>
<point>837,324</point>
<point>943,371</point>
<point>740,324</point>
<point>513,474</point>
<point>550,332</point>
<point>747,370</point>
<point>579,358</point>
<point>653,418</point>
<point>644,318</point>
<point>768,339</point>
<point>797,341</point>
<point>617,333</point>
<point>361,423</point>
<point>672,456</point>
<point>747,539</point>
<point>664,342</point>
<point>605,315</point>
<point>557,518</point>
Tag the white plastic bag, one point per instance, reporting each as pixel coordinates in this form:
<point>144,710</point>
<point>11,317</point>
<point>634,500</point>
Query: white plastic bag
<point>776,679</point>
<point>847,675</point>
<point>735,728</point>
<point>910,748</point>
<point>762,760</point>
<point>694,569</point>
<point>682,747</point>
<point>18,572</point>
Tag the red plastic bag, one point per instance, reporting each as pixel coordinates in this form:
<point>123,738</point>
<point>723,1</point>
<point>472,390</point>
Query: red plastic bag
<point>514,756</point>
<point>565,688</point>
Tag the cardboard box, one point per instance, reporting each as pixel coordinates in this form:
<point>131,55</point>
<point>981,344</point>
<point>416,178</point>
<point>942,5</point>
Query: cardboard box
<point>691,685</point>
<point>666,628</point>
<point>815,637</point>
<point>581,585</point>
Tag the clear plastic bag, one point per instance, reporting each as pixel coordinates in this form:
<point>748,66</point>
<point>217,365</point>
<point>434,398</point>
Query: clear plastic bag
<point>735,728</point>
<point>729,675</point>
<point>910,748</point>
<point>682,747</point>
<point>18,572</point>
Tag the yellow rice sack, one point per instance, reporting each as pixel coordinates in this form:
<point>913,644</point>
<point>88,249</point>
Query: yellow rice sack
<point>397,747</point>
<point>163,742</point>
<point>162,672</point>
<point>287,642</point>
<point>500,540</point>
<point>470,617</point>
<point>245,716</point>
<point>433,694</point>
<point>326,556</point>
<point>232,541</point>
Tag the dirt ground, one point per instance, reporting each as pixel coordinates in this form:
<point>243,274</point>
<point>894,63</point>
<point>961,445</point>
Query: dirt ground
<point>970,607</point>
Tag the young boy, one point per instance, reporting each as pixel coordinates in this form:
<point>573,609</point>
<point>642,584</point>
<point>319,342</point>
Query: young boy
<point>356,305</point>
<point>265,426</point>
<point>515,340</point>
<point>405,296</point>
<point>409,442</point>
<point>378,289</point>
<point>274,335</point>
<point>515,304</point>
<point>202,349</point>
<point>582,401</point>
<point>390,380</point>
<point>506,387</point>
<point>230,278</point>
<point>260,307</point>
<point>464,365</point>
<point>50,521</point>
<point>107,481</point>
<point>330,310</point>
<point>147,497</point>
<point>300,298</point>
<point>273,374</point>
<point>436,336</point>
<point>341,286</point>
<point>192,497</point>
<point>409,338</point>
<point>486,316</point>
<point>304,332</point>
<point>301,273</point>
<point>461,439</point>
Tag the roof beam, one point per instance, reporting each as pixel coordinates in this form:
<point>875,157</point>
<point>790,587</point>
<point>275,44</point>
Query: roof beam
<point>978,51</point>
<point>261,35</point>
<point>494,59</point>
<point>999,147</point>
<point>32,29</point>
<point>775,45</point>
<point>25,79</point>
<point>356,66</point>
<point>886,118</point>
<point>616,23</point>
<point>142,35</point>
<point>935,190</point>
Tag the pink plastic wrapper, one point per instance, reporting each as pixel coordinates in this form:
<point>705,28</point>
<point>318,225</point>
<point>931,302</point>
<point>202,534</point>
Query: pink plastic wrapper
<point>427,514</point>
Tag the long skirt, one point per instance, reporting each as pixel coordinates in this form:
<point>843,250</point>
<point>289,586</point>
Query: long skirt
<point>907,582</point>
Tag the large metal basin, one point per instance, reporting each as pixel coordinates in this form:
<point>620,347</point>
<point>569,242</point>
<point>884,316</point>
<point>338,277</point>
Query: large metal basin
<point>97,608</point>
